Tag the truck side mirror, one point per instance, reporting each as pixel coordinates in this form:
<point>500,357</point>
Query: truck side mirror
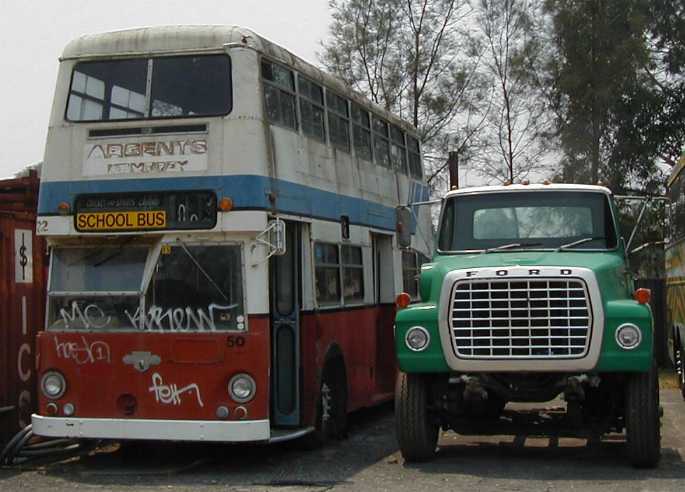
<point>403,226</point>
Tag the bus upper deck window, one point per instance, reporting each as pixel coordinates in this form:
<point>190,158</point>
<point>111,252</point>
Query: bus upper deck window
<point>190,85</point>
<point>181,86</point>
<point>361,133</point>
<point>415,167</point>
<point>279,94</point>
<point>338,121</point>
<point>311,108</point>
<point>398,151</point>
<point>107,90</point>
<point>381,142</point>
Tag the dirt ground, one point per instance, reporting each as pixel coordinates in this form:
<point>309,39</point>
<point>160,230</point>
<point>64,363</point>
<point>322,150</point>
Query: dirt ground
<point>368,460</point>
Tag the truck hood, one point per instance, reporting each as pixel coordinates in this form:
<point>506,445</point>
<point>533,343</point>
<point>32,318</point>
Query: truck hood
<point>608,267</point>
<point>580,259</point>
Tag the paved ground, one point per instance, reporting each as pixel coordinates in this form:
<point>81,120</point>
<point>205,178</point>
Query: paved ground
<point>368,461</point>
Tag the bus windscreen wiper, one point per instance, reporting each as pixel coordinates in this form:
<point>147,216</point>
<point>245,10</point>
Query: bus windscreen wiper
<point>510,246</point>
<point>579,242</point>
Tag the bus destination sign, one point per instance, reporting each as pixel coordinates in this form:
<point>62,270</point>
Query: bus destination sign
<point>173,210</point>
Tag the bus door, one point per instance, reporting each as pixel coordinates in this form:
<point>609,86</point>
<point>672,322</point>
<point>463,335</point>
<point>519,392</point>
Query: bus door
<point>285,331</point>
<point>384,298</point>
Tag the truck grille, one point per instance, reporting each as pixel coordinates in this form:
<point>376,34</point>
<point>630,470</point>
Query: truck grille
<point>519,318</point>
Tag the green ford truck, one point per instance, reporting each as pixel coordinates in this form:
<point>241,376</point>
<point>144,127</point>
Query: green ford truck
<point>528,297</point>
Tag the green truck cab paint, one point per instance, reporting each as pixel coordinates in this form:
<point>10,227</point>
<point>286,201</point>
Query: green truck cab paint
<point>527,297</point>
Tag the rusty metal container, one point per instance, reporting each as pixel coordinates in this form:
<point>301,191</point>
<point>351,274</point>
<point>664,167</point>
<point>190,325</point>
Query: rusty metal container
<point>23,279</point>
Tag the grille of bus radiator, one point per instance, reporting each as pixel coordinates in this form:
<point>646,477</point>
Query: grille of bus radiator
<point>518,318</point>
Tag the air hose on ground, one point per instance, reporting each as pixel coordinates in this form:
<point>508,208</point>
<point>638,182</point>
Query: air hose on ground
<point>23,448</point>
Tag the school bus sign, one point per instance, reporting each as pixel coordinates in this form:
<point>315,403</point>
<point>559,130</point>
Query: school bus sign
<point>120,221</point>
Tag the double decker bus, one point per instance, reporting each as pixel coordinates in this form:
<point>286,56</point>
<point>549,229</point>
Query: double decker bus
<point>221,217</point>
<point>675,270</point>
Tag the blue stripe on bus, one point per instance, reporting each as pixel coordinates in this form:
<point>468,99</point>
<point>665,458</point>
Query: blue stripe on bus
<point>247,192</point>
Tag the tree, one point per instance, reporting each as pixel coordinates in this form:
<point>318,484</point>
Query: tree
<point>603,92</point>
<point>666,44</point>
<point>518,123</point>
<point>411,58</point>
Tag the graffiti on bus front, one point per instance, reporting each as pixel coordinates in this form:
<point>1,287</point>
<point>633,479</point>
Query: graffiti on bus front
<point>93,316</point>
<point>83,352</point>
<point>89,316</point>
<point>181,318</point>
<point>170,394</point>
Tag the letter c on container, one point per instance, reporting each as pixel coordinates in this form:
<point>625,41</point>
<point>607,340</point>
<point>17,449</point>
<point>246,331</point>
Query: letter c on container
<point>24,376</point>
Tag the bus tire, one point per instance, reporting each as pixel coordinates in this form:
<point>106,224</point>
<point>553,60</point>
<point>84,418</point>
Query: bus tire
<point>417,433</point>
<point>331,406</point>
<point>642,419</point>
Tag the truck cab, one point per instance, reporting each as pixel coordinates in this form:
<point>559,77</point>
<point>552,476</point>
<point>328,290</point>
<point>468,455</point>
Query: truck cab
<point>528,298</point>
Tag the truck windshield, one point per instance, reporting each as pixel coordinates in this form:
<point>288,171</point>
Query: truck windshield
<point>150,88</point>
<point>191,288</point>
<point>527,220</point>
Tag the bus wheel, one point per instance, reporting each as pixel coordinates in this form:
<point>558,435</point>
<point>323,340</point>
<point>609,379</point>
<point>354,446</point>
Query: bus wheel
<point>642,416</point>
<point>417,432</point>
<point>331,407</point>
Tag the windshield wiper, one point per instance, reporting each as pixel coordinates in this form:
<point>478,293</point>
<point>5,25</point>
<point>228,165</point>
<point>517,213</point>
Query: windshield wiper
<point>510,246</point>
<point>579,242</point>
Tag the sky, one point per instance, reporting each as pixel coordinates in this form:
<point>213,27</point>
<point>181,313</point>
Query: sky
<point>33,34</point>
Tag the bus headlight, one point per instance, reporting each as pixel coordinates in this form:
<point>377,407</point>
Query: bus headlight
<point>628,336</point>
<point>417,338</point>
<point>53,385</point>
<point>241,388</point>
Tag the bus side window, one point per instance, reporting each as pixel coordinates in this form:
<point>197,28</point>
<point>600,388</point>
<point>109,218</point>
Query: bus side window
<point>361,133</point>
<point>279,95</point>
<point>353,274</point>
<point>311,108</point>
<point>411,269</point>
<point>327,274</point>
<point>415,167</point>
<point>381,142</point>
<point>398,151</point>
<point>338,121</point>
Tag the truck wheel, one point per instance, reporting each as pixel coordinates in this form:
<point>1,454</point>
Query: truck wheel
<point>331,408</point>
<point>417,433</point>
<point>642,416</point>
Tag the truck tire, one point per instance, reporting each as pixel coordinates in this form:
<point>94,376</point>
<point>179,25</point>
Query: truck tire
<point>417,433</point>
<point>642,419</point>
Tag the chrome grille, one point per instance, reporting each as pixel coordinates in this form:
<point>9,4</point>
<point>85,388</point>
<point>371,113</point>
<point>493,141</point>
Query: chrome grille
<point>544,318</point>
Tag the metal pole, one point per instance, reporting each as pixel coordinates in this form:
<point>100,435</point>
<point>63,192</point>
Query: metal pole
<point>453,165</point>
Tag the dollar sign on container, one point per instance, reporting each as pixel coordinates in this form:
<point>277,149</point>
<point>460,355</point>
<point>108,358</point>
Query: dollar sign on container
<point>23,259</point>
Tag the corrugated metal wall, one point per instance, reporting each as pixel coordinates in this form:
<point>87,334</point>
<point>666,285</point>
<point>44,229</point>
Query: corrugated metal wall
<point>22,301</point>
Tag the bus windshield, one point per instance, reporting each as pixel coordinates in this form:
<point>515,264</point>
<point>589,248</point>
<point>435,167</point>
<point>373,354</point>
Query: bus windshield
<point>150,88</point>
<point>527,220</point>
<point>190,288</point>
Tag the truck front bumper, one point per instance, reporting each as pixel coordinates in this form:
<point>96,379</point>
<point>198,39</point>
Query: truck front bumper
<point>148,429</point>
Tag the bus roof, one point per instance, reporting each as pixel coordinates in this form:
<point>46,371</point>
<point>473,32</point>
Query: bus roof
<point>165,40</point>
<point>530,187</point>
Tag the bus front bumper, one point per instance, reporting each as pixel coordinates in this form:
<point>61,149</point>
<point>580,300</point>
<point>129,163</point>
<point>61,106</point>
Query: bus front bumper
<point>148,429</point>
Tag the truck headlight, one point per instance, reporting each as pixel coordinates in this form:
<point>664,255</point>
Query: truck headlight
<point>628,336</point>
<point>417,338</point>
<point>53,385</point>
<point>241,388</point>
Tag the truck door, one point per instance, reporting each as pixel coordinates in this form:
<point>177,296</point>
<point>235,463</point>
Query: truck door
<point>285,331</point>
